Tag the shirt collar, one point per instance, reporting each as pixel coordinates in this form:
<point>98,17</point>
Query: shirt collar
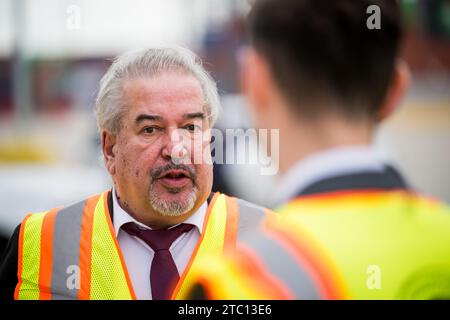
<point>325,164</point>
<point>120,216</point>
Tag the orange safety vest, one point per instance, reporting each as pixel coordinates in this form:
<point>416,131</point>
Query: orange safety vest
<point>73,253</point>
<point>339,245</point>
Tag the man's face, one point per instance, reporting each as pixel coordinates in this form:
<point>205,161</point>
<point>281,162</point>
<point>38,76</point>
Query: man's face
<point>153,166</point>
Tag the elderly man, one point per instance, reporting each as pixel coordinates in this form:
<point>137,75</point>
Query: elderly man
<point>140,239</point>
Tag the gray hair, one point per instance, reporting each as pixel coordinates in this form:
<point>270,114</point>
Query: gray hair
<point>109,107</point>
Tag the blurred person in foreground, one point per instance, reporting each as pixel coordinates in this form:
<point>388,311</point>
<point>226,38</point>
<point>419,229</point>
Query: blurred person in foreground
<point>349,227</point>
<point>140,239</point>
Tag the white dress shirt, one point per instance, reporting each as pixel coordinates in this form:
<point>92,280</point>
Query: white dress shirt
<point>325,164</point>
<point>138,255</point>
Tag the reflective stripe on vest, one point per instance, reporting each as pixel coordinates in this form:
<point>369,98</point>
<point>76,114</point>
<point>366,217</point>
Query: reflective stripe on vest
<point>240,278</point>
<point>220,232</point>
<point>332,243</point>
<point>294,276</point>
<point>74,254</point>
<point>78,255</point>
<point>253,272</point>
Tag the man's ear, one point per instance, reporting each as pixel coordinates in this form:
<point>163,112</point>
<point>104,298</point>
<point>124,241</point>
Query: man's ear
<point>255,79</point>
<point>108,143</point>
<point>396,91</point>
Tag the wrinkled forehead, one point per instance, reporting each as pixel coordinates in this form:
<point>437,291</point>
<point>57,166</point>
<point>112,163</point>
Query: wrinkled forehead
<point>169,95</point>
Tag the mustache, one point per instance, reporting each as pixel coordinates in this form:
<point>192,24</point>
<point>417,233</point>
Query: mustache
<point>158,172</point>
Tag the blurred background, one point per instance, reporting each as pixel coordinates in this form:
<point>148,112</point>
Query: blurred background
<point>54,52</point>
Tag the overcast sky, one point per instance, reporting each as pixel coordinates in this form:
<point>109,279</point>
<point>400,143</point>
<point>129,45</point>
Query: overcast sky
<point>104,27</point>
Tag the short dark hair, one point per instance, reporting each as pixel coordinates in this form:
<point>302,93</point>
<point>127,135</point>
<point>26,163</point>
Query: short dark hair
<point>322,54</point>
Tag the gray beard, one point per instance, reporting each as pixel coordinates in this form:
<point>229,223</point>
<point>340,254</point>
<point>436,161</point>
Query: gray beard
<point>173,208</point>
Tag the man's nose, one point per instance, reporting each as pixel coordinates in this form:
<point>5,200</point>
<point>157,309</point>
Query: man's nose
<point>175,148</point>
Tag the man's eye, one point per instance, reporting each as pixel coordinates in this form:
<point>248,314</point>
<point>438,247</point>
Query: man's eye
<point>192,127</point>
<point>149,130</point>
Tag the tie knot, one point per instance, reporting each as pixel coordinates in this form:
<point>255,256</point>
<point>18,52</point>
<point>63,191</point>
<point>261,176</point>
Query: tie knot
<point>160,239</point>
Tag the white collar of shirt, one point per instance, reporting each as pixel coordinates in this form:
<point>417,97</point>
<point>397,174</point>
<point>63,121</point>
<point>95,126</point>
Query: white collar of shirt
<point>325,164</point>
<point>120,216</point>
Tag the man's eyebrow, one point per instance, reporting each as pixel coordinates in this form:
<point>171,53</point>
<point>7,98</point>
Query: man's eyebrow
<point>151,117</point>
<point>195,115</point>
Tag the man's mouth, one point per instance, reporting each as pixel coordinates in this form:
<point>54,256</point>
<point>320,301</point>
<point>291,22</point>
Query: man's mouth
<point>175,178</point>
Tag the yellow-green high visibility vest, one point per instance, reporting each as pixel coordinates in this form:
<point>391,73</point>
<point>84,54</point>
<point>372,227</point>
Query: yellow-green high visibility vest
<point>73,253</point>
<point>341,245</point>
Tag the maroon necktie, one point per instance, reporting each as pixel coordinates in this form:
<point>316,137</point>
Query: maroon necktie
<point>163,273</point>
